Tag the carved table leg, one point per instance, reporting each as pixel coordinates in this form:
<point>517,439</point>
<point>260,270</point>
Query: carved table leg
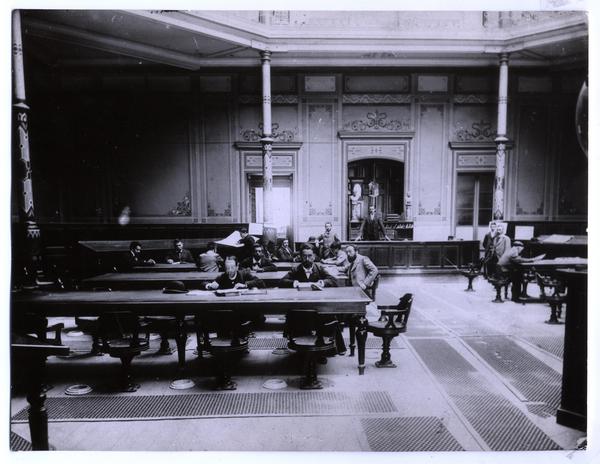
<point>361,339</point>
<point>352,330</point>
<point>180,339</point>
<point>38,416</point>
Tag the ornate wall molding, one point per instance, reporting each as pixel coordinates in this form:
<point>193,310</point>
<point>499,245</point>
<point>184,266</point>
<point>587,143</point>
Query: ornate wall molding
<point>538,212</point>
<point>437,211</point>
<point>480,131</point>
<point>247,99</point>
<point>475,98</point>
<point>375,98</point>
<point>183,208</point>
<point>285,135</point>
<point>476,160</point>
<point>377,121</point>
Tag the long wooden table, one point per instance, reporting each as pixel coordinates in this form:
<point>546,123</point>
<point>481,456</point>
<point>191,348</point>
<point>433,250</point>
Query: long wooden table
<point>192,280</point>
<point>337,301</point>
<point>189,267</point>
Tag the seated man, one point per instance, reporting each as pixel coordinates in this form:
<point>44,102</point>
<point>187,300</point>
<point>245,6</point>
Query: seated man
<point>360,269</point>
<point>285,253</point>
<point>233,277</point>
<point>308,271</point>
<point>258,261</point>
<point>506,266</point>
<point>338,257</point>
<point>134,257</point>
<point>210,261</point>
<point>179,254</point>
<point>312,241</point>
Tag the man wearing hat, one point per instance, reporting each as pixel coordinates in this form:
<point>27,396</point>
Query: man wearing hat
<point>506,266</point>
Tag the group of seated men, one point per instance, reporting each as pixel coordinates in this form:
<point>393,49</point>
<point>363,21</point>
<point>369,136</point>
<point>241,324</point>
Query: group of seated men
<point>238,272</point>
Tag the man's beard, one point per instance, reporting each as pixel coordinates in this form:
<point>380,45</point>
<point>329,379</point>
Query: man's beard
<point>351,258</point>
<point>307,265</point>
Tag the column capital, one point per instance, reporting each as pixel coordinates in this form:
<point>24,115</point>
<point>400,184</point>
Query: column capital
<point>503,57</point>
<point>265,55</point>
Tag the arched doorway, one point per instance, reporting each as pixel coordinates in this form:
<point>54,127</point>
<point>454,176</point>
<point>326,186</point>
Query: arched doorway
<point>375,182</point>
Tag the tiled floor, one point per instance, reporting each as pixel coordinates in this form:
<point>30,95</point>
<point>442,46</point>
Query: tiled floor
<point>472,375</point>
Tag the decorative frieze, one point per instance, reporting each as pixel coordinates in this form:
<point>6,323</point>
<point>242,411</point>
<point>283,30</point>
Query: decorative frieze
<point>360,151</point>
<point>538,212</point>
<point>472,98</point>
<point>328,211</point>
<point>281,161</point>
<point>375,98</point>
<point>437,211</point>
<point>376,121</point>
<point>253,135</point>
<point>212,213</point>
<point>480,131</point>
<point>319,83</point>
<point>248,99</point>
<point>377,83</point>
<point>432,83</point>
<point>476,160</point>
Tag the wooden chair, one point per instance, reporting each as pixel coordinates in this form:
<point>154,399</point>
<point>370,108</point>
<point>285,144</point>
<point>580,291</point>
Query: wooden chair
<point>499,281</point>
<point>231,342</point>
<point>393,322</point>
<point>309,335</point>
<point>31,323</point>
<point>119,332</point>
<point>555,296</point>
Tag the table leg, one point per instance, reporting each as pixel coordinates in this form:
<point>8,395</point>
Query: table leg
<point>361,339</point>
<point>38,416</point>
<point>180,339</point>
<point>352,330</point>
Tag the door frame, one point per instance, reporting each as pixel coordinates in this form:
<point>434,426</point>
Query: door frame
<point>285,163</point>
<point>357,146</point>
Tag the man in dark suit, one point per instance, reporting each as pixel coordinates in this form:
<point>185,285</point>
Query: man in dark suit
<point>308,271</point>
<point>178,254</point>
<point>233,277</point>
<point>285,253</point>
<point>326,240</point>
<point>258,261</point>
<point>248,241</point>
<point>372,227</point>
<point>134,257</point>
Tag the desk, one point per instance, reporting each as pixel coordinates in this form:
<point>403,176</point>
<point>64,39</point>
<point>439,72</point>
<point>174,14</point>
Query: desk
<point>192,279</point>
<point>573,398</point>
<point>162,267</point>
<point>350,301</point>
<point>548,266</point>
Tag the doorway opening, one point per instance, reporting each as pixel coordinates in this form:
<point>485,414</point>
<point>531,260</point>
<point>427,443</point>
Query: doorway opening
<point>375,182</point>
<point>282,203</point>
<point>474,202</point>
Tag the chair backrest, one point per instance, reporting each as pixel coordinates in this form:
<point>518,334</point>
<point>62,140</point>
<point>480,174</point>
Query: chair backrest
<point>226,323</point>
<point>118,324</point>
<point>404,307</point>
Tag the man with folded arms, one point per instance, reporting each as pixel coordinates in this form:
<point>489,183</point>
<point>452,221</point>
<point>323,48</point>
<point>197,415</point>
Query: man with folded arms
<point>308,271</point>
<point>258,261</point>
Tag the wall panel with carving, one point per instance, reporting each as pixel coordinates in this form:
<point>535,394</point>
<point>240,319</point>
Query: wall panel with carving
<point>474,123</point>
<point>377,118</point>
<point>430,154</point>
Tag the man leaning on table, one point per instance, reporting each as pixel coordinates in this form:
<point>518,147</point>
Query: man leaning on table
<point>308,271</point>
<point>134,257</point>
<point>179,254</point>
<point>234,277</point>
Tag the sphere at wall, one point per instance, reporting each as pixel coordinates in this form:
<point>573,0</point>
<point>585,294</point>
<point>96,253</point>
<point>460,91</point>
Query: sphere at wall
<point>581,118</point>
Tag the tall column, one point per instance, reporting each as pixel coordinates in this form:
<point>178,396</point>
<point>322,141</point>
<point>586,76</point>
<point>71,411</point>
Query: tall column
<point>501,139</point>
<point>267,140</point>
<point>20,144</point>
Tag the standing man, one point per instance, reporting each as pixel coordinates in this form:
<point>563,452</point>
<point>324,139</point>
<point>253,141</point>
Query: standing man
<point>360,269</point>
<point>501,242</point>
<point>210,261</point>
<point>248,241</point>
<point>179,254</point>
<point>325,240</point>
<point>372,227</point>
<point>489,260</point>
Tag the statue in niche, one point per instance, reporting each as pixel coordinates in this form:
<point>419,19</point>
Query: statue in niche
<point>356,201</point>
<point>373,193</point>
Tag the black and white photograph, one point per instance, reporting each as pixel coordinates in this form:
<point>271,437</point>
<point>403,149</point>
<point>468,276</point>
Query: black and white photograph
<point>321,229</point>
